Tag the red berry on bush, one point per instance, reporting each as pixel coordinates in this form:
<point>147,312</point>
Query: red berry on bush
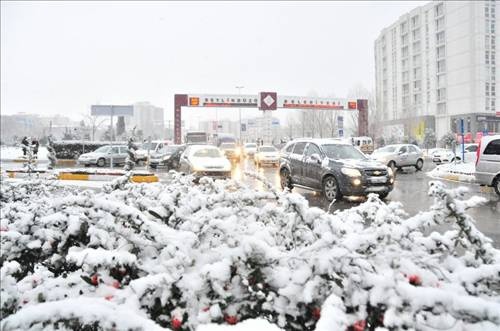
<point>316,313</point>
<point>230,319</point>
<point>415,280</point>
<point>359,325</point>
<point>176,323</point>
<point>116,284</point>
<point>94,279</point>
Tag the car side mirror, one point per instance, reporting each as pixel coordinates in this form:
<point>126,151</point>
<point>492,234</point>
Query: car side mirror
<point>316,157</point>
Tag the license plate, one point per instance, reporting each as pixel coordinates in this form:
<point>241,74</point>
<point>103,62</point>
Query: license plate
<point>378,180</point>
<point>376,189</point>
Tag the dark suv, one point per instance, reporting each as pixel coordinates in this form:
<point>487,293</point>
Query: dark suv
<point>337,168</point>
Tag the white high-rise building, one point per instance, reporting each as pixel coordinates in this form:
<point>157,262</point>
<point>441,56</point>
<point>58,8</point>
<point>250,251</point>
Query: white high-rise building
<point>149,119</point>
<point>436,65</point>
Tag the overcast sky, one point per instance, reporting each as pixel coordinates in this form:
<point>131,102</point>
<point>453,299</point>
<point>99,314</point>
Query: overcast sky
<point>61,57</point>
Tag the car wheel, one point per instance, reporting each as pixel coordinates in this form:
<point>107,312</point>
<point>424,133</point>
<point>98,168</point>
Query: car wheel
<point>384,195</point>
<point>331,188</point>
<point>419,165</point>
<point>456,159</point>
<point>496,185</point>
<point>101,162</point>
<point>392,165</point>
<point>153,166</point>
<point>285,179</point>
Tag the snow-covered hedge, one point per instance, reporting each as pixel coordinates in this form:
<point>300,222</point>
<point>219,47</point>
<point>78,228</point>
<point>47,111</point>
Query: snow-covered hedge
<point>177,255</point>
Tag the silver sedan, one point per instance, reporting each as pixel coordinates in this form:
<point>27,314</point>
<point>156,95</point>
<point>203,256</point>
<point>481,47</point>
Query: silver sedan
<point>400,155</point>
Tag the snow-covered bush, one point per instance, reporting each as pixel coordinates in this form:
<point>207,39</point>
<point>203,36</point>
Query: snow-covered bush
<point>176,255</point>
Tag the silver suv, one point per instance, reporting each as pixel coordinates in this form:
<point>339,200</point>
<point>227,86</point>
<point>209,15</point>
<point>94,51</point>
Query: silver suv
<point>488,162</point>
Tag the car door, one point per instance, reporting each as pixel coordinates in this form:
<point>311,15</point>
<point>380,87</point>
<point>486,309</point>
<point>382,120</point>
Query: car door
<point>403,156</point>
<point>412,155</point>
<point>296,165</point>
<point>312,167</point>
<point>183,161</point>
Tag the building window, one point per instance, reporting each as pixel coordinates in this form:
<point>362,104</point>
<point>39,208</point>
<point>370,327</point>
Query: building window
<point>440,52</point>
<point>404,51</point>
<point>404,40</point>
<point>404,76</point>
<point>406,101</point>
<point>416,47</point>
<point>439,10</point>
<point>441,80</point>
<point>417,99</point>
<point>440,24</point>
<point>417,60</point>
<point>403,27</point>
<point>487,89</point>
<point>441,94</point>
<point>441,108</point>
<point>493,92</point>
<point>486,11</point>
<point>441,66</point>
<point>487,57</point>
<point>416,34</point>
<point>415,21</point>
<point>417,73</point>
<point>417,85</point>
<point>404,64</point>
<point>440,38</point>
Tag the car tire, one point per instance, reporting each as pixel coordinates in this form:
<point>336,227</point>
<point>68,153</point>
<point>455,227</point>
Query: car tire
<point>496,185</point>
<point>331,188</point>
<point>419,165</point>
<point>152,166</point>
<point>285,179</point>
<point>392,165</point>
<point>384,195</point>
<point>101,162</point>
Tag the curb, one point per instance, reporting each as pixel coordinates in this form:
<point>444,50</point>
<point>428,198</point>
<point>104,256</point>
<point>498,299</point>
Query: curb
<point>139,178</point>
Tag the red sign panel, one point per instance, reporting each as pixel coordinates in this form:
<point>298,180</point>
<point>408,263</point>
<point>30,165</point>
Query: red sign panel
<point>268,100</point>
<point>352,105</point>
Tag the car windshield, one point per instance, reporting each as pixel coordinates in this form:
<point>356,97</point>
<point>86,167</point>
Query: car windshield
<point>207,152</point>
<point>168,149</point>
<point>386,149</point>
<point>337,151</point>
<point>228,145</point>
<point>147,146</point>
<point>267,149</point>
<point>250,145</point>
<point>103,149</point>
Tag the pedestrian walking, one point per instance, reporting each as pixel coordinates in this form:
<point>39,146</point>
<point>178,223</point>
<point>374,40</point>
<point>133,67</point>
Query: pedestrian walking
<point>25,144</point>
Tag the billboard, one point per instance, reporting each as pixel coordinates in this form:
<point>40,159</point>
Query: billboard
<point>108,110</point>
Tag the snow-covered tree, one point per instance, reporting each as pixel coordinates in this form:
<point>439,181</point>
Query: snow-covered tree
<point>177,255</point>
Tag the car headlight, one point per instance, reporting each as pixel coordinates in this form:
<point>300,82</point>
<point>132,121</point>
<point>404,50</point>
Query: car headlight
<point>198,168</point>
<point>351,172</point>
<point>166,157</point>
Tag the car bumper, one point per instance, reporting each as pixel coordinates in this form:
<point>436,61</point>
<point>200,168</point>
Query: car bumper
<point>213,174</point>
<point>366,185</point>
<point>86,162</point>
<point>269,161</point>
<point>483,178</point>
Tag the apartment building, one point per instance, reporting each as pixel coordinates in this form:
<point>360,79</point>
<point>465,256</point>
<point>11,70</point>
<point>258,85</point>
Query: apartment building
<point>436,65</point>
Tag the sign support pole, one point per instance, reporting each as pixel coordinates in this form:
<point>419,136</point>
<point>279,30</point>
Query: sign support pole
<point>463,139</point>
<point>111,137</point>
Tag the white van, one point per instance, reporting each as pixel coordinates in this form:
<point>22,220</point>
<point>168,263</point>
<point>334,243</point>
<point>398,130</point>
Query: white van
<point>488,162</point>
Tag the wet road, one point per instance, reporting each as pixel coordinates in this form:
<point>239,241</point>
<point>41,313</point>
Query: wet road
<point>410,189</point>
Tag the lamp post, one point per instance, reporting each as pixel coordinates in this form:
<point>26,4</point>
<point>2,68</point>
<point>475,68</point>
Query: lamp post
<point>239,110</point>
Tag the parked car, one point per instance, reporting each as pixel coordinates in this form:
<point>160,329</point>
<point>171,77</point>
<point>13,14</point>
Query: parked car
<point>365,144</point>
<point>400,155</point>
<point>334,167</point>
<point>142,153</point>
<point>168,156</point>
<point>443,156</point>
<point>103,156</point>
<point>267,155</point>
<point>470,152</point>
<point>205,160</point>
<point>249,149</point>
<point>488,162</point>
<point>231,151</point>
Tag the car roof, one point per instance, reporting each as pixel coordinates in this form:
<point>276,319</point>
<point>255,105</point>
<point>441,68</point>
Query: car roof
<point>321,141</point>
<point>486,139</point>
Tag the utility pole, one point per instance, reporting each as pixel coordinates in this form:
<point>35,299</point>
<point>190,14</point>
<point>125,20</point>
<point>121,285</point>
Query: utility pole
<point>239,110</point>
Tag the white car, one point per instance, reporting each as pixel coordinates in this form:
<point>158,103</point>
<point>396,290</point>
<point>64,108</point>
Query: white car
<point>442,156</point>
<point>153,147</point>
<point>267,155</point>
<point>205,160</point>
<point>249,149</point>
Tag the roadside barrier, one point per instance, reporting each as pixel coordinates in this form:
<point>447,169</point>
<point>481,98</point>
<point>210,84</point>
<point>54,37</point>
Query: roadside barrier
<point>81,175</point>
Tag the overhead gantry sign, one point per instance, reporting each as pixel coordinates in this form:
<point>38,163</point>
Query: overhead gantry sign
<point>267,101</point>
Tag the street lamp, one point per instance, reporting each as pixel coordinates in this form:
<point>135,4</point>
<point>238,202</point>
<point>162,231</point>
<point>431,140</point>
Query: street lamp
<point>239,109</point>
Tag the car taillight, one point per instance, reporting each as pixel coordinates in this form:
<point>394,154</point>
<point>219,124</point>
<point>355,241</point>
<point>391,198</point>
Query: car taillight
<point>478,152</point>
